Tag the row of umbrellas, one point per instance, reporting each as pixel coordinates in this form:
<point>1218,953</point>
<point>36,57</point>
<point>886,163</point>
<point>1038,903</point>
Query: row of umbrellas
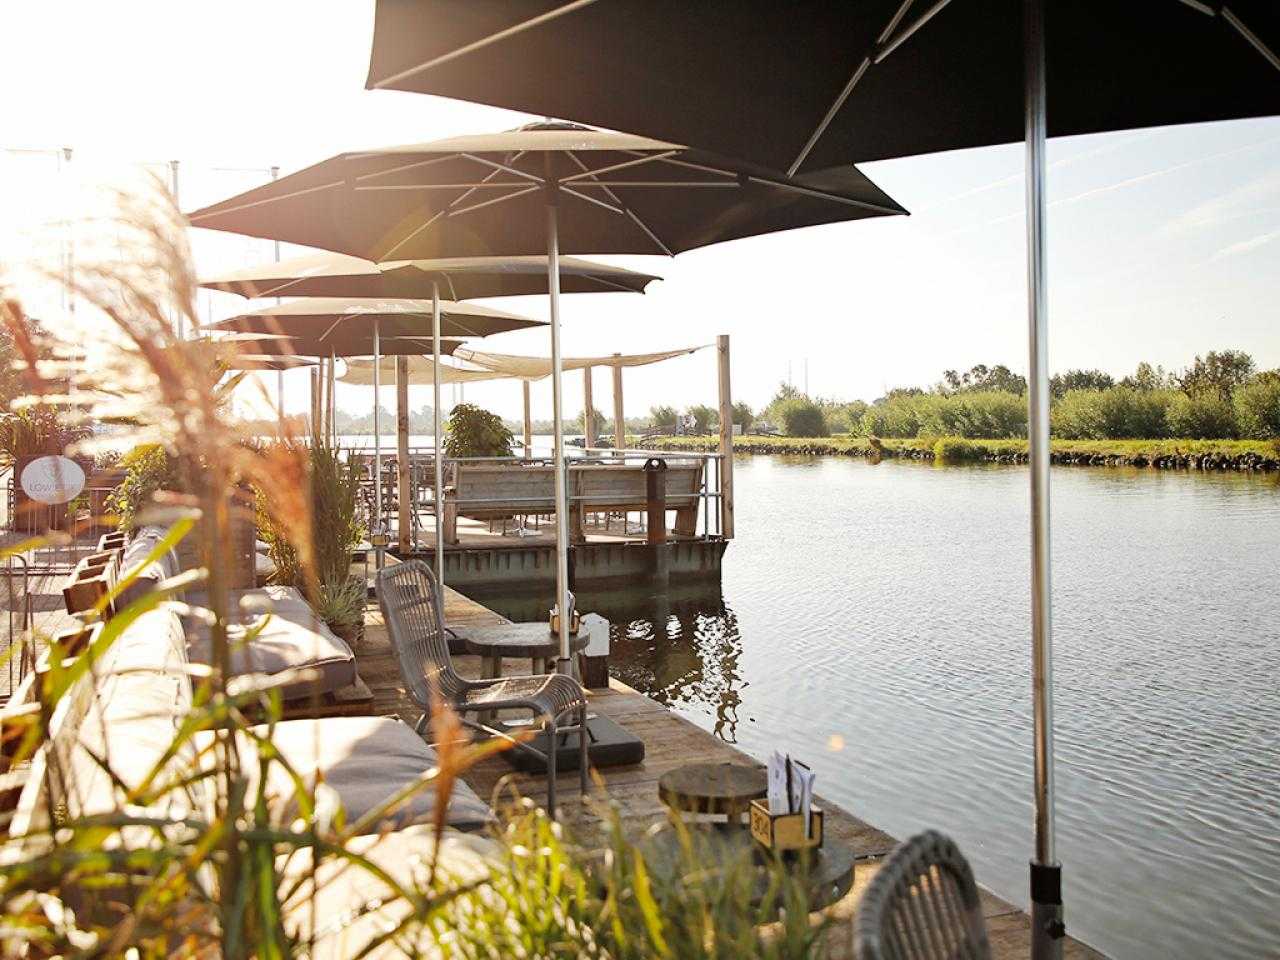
<point>803,87</point>
<point>537,191</point>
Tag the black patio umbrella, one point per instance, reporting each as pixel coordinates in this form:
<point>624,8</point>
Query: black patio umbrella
<point>341,275</point>
<point>321,317</point>
<point>460,278</point>
<point>501,194</point>
<point>803,86</point>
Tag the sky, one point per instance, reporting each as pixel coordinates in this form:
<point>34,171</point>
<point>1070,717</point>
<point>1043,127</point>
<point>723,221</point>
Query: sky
<point>1162,243</point>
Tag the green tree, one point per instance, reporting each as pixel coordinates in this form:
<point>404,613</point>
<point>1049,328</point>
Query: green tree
<point>580,422</point>
<point>1148,377</point>
<point>1060,383</point>
<point>705,418</point>
<point>663,417</point>
<point>1203,415</point>
<point>475,432</point>
<point>1217,372</point>
<point>983,378</point>
<point>802,417</point>
<point>743,416</point>
<point>1257,407</point>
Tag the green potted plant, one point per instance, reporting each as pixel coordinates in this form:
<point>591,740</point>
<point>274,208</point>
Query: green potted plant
<point>475,432</point>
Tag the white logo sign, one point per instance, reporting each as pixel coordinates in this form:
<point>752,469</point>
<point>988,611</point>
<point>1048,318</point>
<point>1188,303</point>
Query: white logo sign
<point>52,480</point>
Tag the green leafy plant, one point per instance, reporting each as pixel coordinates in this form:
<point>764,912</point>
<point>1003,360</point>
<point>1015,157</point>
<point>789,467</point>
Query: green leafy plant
<point>331,527</point>
<point>475,432</point>
<point>663,417</point>
<point>35,431</point>
<point>341,605</point>
<point>148,469</point>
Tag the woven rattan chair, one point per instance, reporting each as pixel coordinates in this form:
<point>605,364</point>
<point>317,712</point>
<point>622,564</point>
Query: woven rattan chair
<point>410,601</point>
<point>922,904</point>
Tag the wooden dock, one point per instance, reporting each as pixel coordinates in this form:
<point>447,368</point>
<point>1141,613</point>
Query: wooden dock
<point>670,741</point>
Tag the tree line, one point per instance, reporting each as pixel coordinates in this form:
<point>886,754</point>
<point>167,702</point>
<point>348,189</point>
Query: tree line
<point>1220,395</point>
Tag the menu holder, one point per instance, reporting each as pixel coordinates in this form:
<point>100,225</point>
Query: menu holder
<point>785,832</point>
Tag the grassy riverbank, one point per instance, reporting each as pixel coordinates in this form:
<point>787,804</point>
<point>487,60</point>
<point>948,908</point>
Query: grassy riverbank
<point>1171,454</point>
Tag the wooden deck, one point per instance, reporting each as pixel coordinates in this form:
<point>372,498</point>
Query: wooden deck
<point>670,741</point>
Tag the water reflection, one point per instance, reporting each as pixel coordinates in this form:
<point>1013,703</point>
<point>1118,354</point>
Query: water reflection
<point>681,647</point>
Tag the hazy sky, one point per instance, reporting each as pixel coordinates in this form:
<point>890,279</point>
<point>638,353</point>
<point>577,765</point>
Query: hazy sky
<point>1162,243</point>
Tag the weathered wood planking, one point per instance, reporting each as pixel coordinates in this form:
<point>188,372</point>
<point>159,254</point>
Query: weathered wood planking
<point>670,741</point>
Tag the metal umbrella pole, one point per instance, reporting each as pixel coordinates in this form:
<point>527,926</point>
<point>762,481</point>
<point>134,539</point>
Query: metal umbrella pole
<point>562,512</point>
<point>377,446</point>
<point>438,433</point>
<point>1047,929</point>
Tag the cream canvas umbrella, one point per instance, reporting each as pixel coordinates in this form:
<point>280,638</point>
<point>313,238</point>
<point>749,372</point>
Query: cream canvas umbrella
<point>341,275</point>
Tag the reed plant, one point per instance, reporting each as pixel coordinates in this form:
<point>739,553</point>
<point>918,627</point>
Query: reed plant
<point>198,857</point>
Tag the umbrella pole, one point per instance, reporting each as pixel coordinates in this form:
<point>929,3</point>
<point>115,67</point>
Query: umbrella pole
<point>437,433</point>
<point>1047,928</point>
<point>377,445</point>
<point>557,417</point>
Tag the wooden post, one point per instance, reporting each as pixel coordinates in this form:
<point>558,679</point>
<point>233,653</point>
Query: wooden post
<point>528,421</point>
<point>315,403</point>
<point>619,421</point>
<point>404,517</point>
<point>588,409</point>
<point>726,440</point>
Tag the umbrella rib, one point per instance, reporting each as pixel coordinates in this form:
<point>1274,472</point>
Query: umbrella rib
<point>625,209</point>
<point>884,49</point>
<point>599,203</point>
<point>481,43</point>
<point>400,169</point>
<point>1251,38</point>
<point>635,162</point>
<point>491,202</point>
<point>195,218</point>
<point>481,185</point>
<point>824,195</point>
<point>417,230</point>
<point>840,99</point>
<point>658,183</point>
<point>505,167</point>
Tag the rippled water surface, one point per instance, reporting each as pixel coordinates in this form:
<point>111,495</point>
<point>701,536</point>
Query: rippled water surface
<point>874,620</point>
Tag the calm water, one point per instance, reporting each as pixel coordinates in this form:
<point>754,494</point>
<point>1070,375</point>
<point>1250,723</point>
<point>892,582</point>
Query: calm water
<point>874,622</point>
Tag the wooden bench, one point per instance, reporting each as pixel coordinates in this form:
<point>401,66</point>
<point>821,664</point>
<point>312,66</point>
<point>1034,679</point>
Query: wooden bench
<point>500,491</point>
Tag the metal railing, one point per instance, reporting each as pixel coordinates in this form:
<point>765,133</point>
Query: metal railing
<point>422,483</point>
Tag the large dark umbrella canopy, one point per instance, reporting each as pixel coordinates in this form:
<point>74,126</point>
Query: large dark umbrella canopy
<point>755,78</point>
<point>485,195</point>
<point>460,278</point>
<point>356,317</point>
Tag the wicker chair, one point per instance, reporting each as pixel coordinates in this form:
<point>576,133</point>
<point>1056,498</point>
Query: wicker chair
<point>410,601</point>
<point>922,904</point>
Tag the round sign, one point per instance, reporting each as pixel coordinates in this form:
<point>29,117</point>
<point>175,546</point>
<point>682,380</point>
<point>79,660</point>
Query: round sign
<point>52,480</point>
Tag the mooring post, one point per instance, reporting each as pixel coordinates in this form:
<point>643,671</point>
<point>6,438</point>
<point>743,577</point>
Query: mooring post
<point>726,439</point>
<point>315,403</point>
<point>588,409</point>
<point>619,421</point>
<point>528,421</point>
<point>655,497</point>
<point>404,515</point>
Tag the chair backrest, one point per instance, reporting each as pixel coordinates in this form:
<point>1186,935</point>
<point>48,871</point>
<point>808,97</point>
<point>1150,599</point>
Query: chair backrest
<point>409,598</point>
<point>922,904</point>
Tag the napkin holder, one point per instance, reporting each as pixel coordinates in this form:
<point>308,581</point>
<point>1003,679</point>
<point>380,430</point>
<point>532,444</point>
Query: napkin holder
<point>784,832</point>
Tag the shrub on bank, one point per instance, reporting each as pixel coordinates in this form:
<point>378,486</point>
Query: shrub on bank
<point>1202,416</point>
<point>1120,413</point>
<point>957,450</point>
<point>1257,408</point>
<point>803,418</point>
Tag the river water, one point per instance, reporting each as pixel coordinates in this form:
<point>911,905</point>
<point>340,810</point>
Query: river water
<point>874,621</point>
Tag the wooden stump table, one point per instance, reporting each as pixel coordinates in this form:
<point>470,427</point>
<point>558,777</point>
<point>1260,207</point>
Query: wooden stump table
<point>532,640</point>
<point>718,789</point>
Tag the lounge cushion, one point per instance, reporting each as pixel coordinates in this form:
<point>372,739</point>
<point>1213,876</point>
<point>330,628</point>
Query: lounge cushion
<point>291,636</point>
<point>352,906</point>
<point>150,572</point>
<point>365,760</point>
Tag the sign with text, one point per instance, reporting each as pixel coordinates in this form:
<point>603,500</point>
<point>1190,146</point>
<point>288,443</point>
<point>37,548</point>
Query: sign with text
<point>52,480</point>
